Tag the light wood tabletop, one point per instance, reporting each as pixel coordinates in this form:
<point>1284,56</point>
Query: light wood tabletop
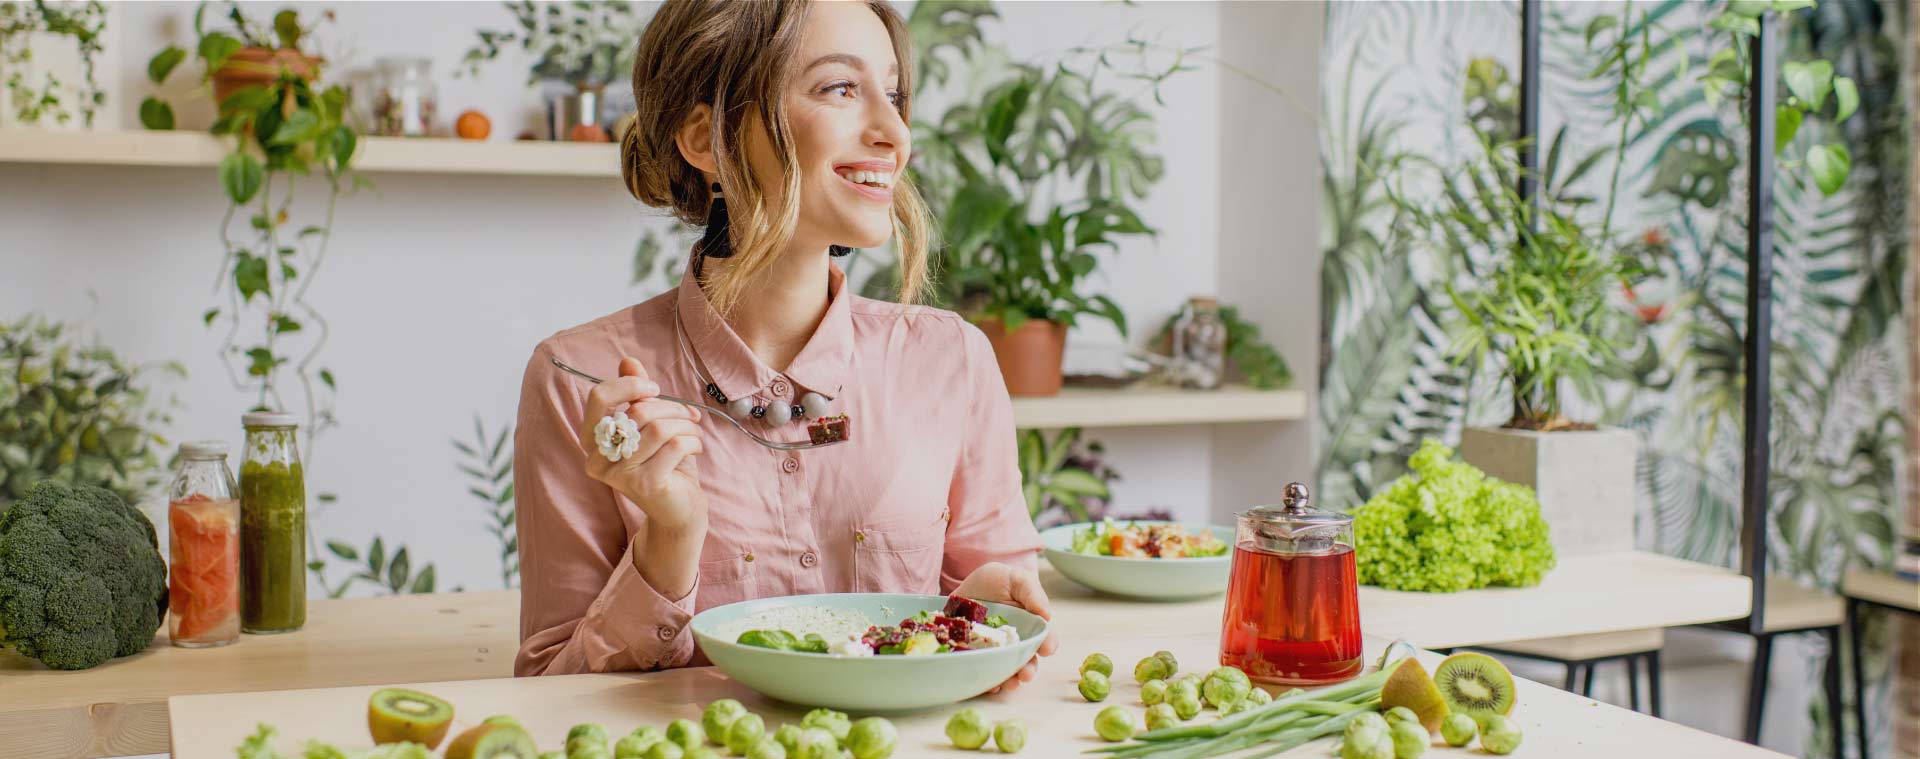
<point>119,708</point>
<point>1882,588</point>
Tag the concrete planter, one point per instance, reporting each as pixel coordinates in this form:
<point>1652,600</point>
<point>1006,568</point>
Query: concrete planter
<point>1585,481</point>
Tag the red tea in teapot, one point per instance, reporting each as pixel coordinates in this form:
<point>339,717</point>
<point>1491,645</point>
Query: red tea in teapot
<point>1292,619</point>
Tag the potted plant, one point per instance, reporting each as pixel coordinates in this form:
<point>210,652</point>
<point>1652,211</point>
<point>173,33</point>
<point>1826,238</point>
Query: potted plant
<point>583,45</point>
<point>48,54</point>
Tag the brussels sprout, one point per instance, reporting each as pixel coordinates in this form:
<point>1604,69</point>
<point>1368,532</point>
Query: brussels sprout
<point>1185,704</point>
<point>1410,738</point>
<point>1161,715</point>
<point>552,755</point>
<point>702,752</point>
<point>1363,738</point>
<point>1500,735</point>
<point>744,732</point>
<point>665,749</point>
<point>587,749</point>
<point>788,737</point>
<point>1153,692</point>
<point>587,731</point>
<point>1182,687</point>
<point>1098,663</point>
<point>633,746</point>
<point>717,716</point>
<point>503,719</point>
<point>1173,665</point>
<point>1094,686</point>
<point>829,720</point>
<point>686,734</point>
<point>815,743</point>
<point>1114,724</point>
<point>1224,686</point>
<point>1259,696</point>
<point>1152,668</point>
<point>1401,714</point>
<point>1011,735</point>
<point>1458,729</point>
<point>968,728</point>
<point>872,738</point>
<point>766,748</point>
<point>1369,718</point>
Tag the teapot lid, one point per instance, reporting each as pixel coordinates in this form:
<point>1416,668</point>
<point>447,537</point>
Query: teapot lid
<point>1295,526</point>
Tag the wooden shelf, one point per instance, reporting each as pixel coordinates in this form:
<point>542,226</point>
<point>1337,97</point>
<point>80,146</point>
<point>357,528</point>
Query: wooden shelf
<point>377,154</point>
<point>1157,405</point>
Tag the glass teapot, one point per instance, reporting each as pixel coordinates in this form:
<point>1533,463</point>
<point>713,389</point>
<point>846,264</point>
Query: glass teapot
<point>1293,603</point>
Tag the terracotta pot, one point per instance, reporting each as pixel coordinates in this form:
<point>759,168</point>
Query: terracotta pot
<point>260,67</point>
<point>1029,356</point>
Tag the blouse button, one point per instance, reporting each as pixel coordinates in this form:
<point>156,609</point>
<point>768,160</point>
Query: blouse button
<point>808,559</point>
<point>789,465</point>
<point>780,387</point>
<point>665,632</point>
<point>859,537</point>
<point>749,556</point>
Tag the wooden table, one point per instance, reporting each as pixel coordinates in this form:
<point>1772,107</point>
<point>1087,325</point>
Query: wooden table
<point>1888,591</point>
<point>119,708</point>
<point>1556,724</point>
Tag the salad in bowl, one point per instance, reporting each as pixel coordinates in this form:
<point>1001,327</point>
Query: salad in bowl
<point>1144,559</point>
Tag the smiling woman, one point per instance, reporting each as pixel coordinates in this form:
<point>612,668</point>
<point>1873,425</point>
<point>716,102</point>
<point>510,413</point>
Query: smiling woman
<point>781,127</point>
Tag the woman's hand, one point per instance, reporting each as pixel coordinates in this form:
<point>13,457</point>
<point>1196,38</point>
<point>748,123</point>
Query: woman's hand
<point>998,582</point>
<point>662,476</point>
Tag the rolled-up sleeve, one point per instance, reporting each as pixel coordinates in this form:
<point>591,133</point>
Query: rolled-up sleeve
<point>583,606</point>
<point>989,520</point>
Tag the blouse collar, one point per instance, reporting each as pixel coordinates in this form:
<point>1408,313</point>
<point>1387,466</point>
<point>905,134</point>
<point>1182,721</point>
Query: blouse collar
<point>821,365</point>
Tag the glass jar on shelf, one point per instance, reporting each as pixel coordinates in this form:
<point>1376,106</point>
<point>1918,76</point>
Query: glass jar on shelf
<point>1200,345</point>
<point>405,100</point>
<point>273,526</point>
<point>203,541</point>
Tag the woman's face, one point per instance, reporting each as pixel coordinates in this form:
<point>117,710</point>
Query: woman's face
<point>842,109</point>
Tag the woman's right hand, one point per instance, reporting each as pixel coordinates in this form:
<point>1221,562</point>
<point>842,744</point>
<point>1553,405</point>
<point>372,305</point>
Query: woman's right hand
<point>662,476</point>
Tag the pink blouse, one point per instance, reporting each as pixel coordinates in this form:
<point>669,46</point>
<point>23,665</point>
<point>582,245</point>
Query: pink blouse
<point>926,490</point>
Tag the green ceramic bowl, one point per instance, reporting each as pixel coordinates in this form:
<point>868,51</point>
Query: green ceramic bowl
<point>871,684</point>
<point>1147,579</point>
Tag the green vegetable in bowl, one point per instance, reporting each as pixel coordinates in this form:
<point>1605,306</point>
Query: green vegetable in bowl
<point>1185,704</point>
<point>815,743</point>
<point>686,733</point>
<point>1094,686</point>
<point>745,731</point>
<point>1458,729</point>
<point>1447,526</point>
<point>968,729</point>
<point>766,748</point>
<point>1224,686</point>
<point>830,721</point>
<point>778,640</point>
<point>81,580</point>
<point>1098,663</point>
<point>1010,736</point>
<point>1153,668</point>
<point>1114,724</point>
<point>1153,692</point>
<point>872,738</point>
<point>1161,716</point>
<point>1410,739</point>
<point>1500,735</point>
<point>718,716</point>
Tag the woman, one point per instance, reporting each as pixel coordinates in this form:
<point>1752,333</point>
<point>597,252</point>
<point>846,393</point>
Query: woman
<point>796,113</point>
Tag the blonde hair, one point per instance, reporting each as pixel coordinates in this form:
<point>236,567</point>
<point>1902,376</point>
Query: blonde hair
<point>737,58</point>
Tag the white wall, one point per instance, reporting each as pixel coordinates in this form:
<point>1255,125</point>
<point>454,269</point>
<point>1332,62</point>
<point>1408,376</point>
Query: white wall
<point>438,286</point>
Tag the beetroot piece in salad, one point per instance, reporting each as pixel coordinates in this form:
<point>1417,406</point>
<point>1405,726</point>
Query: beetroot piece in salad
<point>964,626</point>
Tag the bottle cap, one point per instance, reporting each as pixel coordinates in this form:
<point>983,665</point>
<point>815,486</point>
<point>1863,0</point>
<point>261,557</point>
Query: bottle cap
<point>203,449</point>
<point>269,419</point>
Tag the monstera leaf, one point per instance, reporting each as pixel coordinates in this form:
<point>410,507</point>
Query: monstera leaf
<point>1696,165</point>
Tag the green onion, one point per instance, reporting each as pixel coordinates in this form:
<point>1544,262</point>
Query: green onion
<point>1281,725</point>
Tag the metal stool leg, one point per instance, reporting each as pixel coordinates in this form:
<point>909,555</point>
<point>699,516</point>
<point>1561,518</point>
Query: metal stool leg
<point>1757,686</point>
<point>1586,686</point>
<point>1633,681</point>
<point>1653,680</point>
<point>1573,677</point>
<point>1836,709</point>
<point>1859,676</point>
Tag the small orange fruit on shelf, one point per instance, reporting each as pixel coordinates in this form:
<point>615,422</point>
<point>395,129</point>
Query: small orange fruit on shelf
<point>587,133</point>
<point>473,125</point>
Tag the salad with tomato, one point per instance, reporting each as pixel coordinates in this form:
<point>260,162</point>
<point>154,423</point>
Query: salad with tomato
<point>1155,540</point>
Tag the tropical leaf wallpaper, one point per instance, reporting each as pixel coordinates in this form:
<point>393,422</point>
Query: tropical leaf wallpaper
<point>1406,81</point>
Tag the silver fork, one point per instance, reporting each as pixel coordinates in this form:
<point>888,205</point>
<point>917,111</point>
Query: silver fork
<point>777,445</point>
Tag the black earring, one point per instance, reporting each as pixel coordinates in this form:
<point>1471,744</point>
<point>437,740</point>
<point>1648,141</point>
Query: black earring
<point>839,251</point>
<point>717,242</point>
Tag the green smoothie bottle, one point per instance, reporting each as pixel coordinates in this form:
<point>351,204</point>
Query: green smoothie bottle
<point>273,527</point>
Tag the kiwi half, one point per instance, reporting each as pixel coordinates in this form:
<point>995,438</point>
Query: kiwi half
<point>492,741</point>
<point>396,715</point>
<point>1476,685</point>
<point>1410,686</point>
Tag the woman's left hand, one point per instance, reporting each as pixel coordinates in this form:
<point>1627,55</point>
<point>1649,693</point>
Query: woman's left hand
<point>1000,583</point>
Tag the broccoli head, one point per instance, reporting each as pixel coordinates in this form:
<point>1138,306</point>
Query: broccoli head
<point>81,580</point>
